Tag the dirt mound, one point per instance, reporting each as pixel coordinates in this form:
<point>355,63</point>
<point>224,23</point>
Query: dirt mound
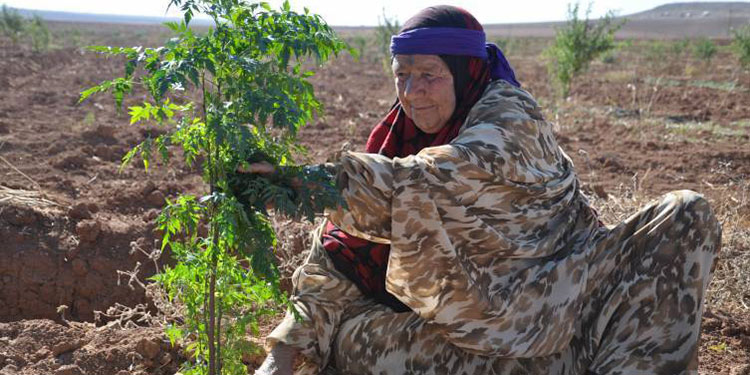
<point>57,255</point>
<point>33,347</point>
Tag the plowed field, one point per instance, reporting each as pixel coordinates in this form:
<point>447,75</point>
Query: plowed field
<point>73,230</point>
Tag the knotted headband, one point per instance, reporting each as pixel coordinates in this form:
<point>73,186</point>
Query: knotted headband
<point>454,41</point>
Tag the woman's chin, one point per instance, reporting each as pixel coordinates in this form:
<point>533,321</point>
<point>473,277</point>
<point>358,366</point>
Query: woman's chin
<point>429,127</point>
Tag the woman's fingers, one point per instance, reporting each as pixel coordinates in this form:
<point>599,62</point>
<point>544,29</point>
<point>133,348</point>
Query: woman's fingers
<point>262,167</point>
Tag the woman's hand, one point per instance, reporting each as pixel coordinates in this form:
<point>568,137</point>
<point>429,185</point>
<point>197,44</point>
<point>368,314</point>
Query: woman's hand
<point>266,168</point>
<point>262,167</point>
<point>280,361</point>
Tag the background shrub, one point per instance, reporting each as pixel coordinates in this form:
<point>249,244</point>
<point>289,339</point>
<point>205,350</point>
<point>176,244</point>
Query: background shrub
<point>741,45</point>
<point>11,23</point>
<point>18,28</point>
<point>704,49</point>
<point>387,27</point>
<point>578,43</point>
<point>679,47</point>
<point>37,31</point>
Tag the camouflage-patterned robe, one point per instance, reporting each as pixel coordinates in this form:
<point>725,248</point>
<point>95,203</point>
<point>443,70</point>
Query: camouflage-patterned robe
<point>507,270</point>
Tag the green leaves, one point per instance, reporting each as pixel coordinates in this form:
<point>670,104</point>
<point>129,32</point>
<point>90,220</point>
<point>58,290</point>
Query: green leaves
<point>118,87</point>
<point>159,113</point>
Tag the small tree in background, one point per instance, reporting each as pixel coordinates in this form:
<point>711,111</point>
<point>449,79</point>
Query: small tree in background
<point>14,26</point>
<point>38,33</point>
<point>679,47</point>
<point>578,43</point>
<point>360,43</point>
<point>252,97</point>
<point>704,49</point>
<point>741,45</point>
<point>387,27</point>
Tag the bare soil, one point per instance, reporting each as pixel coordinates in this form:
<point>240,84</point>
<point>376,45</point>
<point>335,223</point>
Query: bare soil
<point>69,221</point>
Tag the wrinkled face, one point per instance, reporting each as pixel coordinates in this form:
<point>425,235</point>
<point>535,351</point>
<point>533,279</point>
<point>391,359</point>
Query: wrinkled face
<point>424,85</point>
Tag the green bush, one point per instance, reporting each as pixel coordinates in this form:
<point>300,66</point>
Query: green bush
<point>741,45</point>
<point>679,47</point>
<point>609,57</point>
<point>360,44</point>
<point>704,49</point>
<point>12,24</point>
<point>387,27</point>
<point>625,44</point>
<point>18,28</point>
<point>656,51</point>
<point>578,43</point>
<point>38,33</point>
<point>508,45</point>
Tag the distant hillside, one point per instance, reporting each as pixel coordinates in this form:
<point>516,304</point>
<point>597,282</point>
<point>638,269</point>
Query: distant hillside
<point>670,21</point>
<point>104,18</point>
<point>684,11</point>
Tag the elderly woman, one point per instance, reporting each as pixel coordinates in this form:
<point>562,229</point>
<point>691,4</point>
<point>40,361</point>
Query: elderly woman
<point>467,246</point>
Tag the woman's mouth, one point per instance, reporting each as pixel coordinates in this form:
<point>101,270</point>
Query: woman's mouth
<point>422,108</point>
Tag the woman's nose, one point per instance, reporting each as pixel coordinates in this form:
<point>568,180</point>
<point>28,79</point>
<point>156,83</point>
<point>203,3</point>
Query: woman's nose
<point>413,87</point>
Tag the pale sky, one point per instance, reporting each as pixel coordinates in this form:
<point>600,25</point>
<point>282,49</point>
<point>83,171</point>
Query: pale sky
<point>355,13</point>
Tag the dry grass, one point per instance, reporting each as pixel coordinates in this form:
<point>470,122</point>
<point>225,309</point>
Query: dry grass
<point>27,198</point>
<point>293,245</point>
<point>730,287</point>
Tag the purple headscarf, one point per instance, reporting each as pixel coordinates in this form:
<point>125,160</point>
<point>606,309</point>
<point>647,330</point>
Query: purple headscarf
<point>454,41</point>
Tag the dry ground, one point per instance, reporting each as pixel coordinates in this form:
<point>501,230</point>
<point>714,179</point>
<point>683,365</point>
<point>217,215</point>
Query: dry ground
<point>650,120</point>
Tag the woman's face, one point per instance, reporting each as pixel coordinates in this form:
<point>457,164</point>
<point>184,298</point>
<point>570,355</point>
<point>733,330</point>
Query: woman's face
<point>424,85</point>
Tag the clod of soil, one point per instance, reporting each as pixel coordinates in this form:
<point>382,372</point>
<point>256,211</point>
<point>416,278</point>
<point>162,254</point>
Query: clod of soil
<point>20,216</point>
<point>88,230</point>
<point>80,268</point>
<point>156,198</point>
<point>148,348</point>
<point>105,152</point>
<point>80,211</point>
<point>69,370</point>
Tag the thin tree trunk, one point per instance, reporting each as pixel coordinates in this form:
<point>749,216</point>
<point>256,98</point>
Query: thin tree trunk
<point>211,324</point>
<point>215,246</point>
<point>219,362</point>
